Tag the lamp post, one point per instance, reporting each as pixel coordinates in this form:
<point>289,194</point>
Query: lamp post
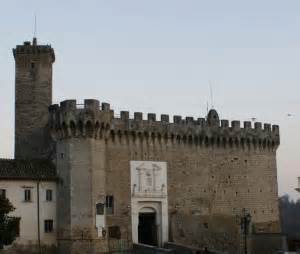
<point>245,222</point>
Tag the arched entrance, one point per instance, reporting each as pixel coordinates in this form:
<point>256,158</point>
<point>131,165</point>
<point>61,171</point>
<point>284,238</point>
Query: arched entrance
<point>149,202</point>
<point>147,227</point>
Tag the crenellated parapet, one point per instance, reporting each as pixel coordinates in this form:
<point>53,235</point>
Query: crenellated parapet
<point>28,52</point>
<point>92,121</point>
<point>70,119</point>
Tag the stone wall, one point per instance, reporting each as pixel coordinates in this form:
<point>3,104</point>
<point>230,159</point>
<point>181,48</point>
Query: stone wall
<point>207,190</point>
<point>214,171</point>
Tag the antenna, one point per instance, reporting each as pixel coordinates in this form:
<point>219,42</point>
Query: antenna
<point>35,26</point>
<point>207,108</point>
<point>211,95</point>
<point>34,42</point>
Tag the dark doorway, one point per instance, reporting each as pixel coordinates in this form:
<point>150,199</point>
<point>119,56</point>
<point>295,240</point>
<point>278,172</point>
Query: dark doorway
<point>147,229</point>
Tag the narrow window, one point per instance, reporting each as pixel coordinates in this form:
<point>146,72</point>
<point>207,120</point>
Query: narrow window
<point>27,195</point>
<point>48,195</point>
<point>32,65</point>
<point>48,224</point>
<point>3,193</point>
<point>109,204</point>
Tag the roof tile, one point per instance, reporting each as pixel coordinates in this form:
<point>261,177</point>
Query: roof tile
<point>27,169</point>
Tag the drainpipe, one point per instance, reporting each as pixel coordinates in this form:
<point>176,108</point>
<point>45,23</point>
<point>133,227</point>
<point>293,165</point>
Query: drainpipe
<point>38,214</point>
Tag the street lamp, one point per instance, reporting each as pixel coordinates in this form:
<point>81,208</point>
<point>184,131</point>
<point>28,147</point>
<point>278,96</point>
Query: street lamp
<point>245,222</point>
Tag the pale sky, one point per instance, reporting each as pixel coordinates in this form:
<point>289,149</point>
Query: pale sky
<point>160,56</point>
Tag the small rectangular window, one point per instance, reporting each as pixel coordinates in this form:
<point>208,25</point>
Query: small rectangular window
<point>3,193</point>
<point>109,205</point>
<point>48,195</point>
<point>27,195</point>
<point>48,225</point>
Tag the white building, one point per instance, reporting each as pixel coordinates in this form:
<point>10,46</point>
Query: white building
<point>31,188</point>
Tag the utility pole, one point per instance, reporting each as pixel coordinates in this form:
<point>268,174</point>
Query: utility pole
<point>38,214</point>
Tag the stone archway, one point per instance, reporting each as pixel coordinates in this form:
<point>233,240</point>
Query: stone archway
<point>149,202</point>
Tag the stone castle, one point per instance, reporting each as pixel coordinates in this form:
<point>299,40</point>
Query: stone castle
<point>123,181</point>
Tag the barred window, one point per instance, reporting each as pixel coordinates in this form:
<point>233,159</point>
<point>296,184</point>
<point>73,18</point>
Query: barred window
<point>48,195</point>
<point>48,225</point>
<point>109,204</point>
<point>27,195</point>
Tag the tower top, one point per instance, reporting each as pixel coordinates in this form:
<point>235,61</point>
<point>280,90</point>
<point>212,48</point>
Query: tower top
<point>33,49</point>
<point>213,118</point>
<point>34,41</point>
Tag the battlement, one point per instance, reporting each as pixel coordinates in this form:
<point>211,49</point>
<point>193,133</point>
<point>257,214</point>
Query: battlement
<point>90,120</point>
<point>33,48</point>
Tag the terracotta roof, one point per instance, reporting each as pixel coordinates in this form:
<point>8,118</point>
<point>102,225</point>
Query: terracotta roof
<point>27,169</point>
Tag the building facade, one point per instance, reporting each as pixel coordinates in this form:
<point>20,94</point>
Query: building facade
<point>123,180</point>
<point>31,188</point>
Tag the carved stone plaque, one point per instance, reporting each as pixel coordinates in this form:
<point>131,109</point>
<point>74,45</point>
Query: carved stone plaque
<point>148,178</point>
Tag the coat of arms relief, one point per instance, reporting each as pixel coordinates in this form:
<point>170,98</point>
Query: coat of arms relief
<point>149,180</point>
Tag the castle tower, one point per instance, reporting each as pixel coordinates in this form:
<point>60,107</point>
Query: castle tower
<point>33,95</point>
